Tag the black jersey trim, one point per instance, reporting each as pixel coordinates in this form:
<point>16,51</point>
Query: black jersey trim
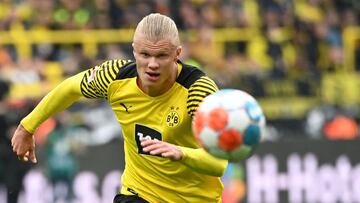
<point>189,74</point>
<point>128,70</point>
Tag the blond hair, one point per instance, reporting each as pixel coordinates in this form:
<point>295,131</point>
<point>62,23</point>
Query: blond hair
<point>156,27</point>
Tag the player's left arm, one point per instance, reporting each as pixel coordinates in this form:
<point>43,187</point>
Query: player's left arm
<point>91,83</point>
<point>196,159</point>
<point>202,162</point>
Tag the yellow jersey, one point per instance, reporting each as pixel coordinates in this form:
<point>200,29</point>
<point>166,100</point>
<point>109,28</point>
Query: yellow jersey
<point>168,117</point>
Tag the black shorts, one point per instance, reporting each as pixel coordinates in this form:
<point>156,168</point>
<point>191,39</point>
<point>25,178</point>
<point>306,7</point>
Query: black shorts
<point>120,198</point>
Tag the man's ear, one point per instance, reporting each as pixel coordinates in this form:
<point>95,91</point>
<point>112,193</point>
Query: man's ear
<point>133,46</point>
<point>178,52</point>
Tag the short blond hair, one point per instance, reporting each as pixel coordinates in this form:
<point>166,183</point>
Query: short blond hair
<point>156,27</point>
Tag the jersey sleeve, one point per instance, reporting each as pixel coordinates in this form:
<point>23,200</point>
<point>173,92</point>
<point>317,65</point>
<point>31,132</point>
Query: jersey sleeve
<point>58,99</point>
<point>92,83</point>
<point>198,159</point>
<point>96,80</point>
<point>201,88</point>
<point>202,162</point>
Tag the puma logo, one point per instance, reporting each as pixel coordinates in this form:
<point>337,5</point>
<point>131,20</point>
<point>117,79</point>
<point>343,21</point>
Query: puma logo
<point>125,107</point>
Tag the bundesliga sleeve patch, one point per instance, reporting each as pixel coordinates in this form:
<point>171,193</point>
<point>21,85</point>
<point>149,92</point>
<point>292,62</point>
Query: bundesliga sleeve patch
<point>93,72</point>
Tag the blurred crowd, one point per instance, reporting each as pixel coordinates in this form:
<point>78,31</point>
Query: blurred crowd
<point>291,39</point>
<point>291,44</point>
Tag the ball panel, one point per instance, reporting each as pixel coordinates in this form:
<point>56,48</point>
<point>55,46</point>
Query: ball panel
<point>230,139</point>
<point>241,153</point>
<point>252,135</point>
<point>230,101</point>
<point>238,119</point>
<point>262,122</point>
<point>217,119</point>
<point>209,137</point>
<point>199,122</point>
<point>219,153</point>
<point>210,102</point>
<point>253,110</point>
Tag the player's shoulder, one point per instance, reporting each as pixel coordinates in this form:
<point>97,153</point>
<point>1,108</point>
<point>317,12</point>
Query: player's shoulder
<point>189,75</point>
<point>108,69</point>
<point>114,63</point>
<point>198,84</point>
<point>128,70</point>
<point>192,76</point>
<point>97,79</point>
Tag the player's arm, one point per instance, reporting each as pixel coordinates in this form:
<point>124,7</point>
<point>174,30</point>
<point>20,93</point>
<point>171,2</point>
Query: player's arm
<point>65,94</point>
<point>62,96</point>
<point>202,162</point>
<point>92,83</point>
<point>198,159</point>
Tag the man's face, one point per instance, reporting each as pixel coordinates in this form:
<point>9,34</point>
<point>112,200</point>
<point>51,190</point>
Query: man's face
<point>156,62</point>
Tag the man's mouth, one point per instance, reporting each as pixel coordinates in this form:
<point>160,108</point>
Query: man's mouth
<point>153,76</point>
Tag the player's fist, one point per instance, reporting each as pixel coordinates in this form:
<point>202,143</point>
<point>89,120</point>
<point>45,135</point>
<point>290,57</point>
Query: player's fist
<point>23,144</point>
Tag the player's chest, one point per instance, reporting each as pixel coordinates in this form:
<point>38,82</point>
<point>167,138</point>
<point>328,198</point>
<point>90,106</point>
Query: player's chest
<point>160,119</point>
<point>168,110</point>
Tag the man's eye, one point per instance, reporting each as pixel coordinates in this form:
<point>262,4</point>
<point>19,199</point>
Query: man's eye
<point>145,54</point>
<point>162,55</point>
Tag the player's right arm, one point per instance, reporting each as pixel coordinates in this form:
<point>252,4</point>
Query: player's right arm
<point>92,83</point>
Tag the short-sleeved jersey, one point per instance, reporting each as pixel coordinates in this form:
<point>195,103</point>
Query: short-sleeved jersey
<point>167,117</point>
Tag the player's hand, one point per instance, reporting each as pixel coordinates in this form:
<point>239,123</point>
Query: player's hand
<point>167,150</point>
<point>23,144</point>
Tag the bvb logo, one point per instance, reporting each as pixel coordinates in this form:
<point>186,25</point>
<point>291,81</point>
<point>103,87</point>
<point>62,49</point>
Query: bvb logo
<point>172,118</point>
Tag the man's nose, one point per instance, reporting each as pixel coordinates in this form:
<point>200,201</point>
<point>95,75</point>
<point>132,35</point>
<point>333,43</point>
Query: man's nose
<point>153,63</point>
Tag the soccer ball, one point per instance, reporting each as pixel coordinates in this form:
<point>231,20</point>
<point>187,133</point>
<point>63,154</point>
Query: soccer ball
<point>229,124</point>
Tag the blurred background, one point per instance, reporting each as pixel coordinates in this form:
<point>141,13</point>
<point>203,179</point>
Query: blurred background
<point>299,58</point>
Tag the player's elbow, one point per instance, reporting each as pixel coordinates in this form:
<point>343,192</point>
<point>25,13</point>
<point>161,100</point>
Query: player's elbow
<point>222,168</point>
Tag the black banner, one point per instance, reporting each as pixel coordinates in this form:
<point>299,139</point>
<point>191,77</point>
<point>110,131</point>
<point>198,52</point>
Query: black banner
<point>304,171</point>
<point>284,171</point>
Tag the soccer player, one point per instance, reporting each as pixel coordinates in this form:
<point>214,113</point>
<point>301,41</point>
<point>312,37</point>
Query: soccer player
<point>154,99</point>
